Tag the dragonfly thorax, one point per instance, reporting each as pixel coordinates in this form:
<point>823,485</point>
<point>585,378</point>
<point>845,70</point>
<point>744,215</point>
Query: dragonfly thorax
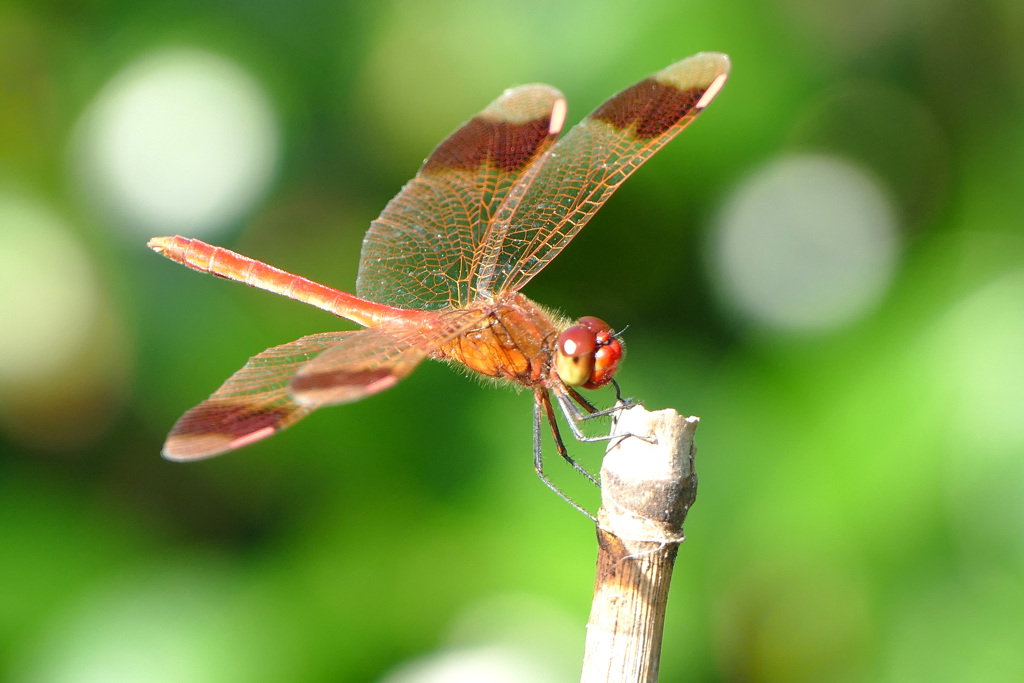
<point>514,342</point>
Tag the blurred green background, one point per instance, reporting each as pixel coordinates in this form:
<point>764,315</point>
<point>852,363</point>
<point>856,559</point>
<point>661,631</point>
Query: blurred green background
<point>827,267</point>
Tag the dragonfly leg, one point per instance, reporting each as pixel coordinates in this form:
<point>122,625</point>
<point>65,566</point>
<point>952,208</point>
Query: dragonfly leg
<point>573,415</point>
<point>541,398</point>
<point>620,403</point>
<point>545,400</point>
<point>584,403</point>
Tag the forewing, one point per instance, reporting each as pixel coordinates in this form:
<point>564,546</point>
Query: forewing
<point>587,165</point>
<point>421,251</point>
<point>372,360</point>
<point>252,404</point>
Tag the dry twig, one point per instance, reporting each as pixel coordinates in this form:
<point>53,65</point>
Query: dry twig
<point>647,489</point>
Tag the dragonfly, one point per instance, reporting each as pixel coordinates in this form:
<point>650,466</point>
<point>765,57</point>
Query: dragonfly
<point>441,268</point>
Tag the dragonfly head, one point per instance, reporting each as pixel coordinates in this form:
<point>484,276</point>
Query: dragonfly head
<point>587,354</point>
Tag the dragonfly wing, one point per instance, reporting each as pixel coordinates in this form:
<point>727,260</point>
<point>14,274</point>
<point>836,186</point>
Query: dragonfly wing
<point>364,363</point>
<point>421,251</point>
<point>252,404</point>
<point>374,359</point>
<point>587,165</point>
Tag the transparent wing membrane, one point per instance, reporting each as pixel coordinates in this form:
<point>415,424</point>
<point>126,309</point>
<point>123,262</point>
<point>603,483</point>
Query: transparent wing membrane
<point>372,360</point>
<point>422,250</point>
<point>587,165</point>
<point>252,404</point>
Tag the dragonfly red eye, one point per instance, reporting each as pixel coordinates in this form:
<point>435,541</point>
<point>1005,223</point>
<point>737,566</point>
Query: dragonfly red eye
<point>587,355</point>
<point>607,354</point>
<point>574,355</point>
<point>595,324</point>
<point>606,360</point>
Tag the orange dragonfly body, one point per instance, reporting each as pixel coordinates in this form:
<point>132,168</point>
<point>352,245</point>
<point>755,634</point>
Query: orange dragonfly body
<point>441,268</point>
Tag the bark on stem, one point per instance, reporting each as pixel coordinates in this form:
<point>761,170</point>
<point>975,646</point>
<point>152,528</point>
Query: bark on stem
<point>646,491</point>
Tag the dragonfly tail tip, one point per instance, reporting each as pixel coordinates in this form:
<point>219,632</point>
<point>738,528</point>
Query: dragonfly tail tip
<point>160,244</point>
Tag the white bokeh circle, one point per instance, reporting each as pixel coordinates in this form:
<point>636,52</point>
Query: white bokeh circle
<point>180,141</point>
<point>807,243</point>
<point>51,292</point>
